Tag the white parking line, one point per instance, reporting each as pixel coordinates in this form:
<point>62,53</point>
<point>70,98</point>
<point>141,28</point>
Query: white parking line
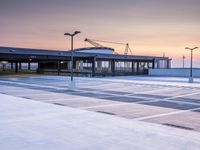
<point>107,105</point>
<point>98,92</point>
<point>183,95</point>
<point>41,86</point>
<point>182,102</point>
<point>101,84</point>
<point>166,114</point>
<point>30,94</point>
<point>118,104</point>
<point>34,85</point>
<point>149,91</point>
<point>133,95</point>
<point>66,99</point>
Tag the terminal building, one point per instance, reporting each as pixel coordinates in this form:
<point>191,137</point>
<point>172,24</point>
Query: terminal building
<point>91,61</point>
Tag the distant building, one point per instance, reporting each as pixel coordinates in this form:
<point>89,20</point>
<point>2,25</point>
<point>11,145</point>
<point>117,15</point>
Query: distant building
<point>92,61</point>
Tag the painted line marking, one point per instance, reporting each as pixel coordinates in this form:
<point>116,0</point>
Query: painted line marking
<point>96,92</point>
<point>166,114</point>
<point>118,104</point>
<point>140,80</point>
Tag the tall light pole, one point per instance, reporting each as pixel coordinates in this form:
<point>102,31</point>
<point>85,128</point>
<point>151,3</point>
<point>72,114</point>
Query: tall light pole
<point>183,61</point>
<point>191,61</point>
<point>72,84</point>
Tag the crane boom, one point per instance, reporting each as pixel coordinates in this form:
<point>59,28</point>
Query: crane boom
<point>108,42</point>
<point>94,43</point>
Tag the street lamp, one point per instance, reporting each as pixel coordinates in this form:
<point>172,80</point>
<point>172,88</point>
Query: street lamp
<point>183,61</point>
<point>72,84</point>
<point>191,75</point>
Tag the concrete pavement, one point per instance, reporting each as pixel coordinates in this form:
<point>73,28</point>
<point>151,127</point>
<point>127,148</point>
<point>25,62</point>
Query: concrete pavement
<point>32,125</point>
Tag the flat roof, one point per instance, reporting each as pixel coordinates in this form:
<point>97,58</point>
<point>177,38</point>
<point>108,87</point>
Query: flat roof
<point>6,52</point>
<point>93,48</point>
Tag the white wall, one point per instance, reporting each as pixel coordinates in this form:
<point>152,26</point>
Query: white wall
<point>174,72</point>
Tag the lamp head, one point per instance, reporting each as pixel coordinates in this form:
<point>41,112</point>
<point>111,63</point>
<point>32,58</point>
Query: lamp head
<point>191,48</point>
<point>76,32</point>
<point>195,47</point>
<point>67,34</point>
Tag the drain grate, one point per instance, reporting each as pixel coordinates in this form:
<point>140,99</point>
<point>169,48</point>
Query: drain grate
<point>59,104</point>
<point>178,126</point>
<point>104,112</point>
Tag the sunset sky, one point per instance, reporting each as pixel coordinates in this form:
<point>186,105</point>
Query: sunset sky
<point>151,27</point>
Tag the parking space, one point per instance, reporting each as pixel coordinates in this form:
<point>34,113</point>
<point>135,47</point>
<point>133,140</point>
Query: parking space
<point>132,110</point>
<point>192,98</point>
<point>185,120</point>
<point>176,105</point>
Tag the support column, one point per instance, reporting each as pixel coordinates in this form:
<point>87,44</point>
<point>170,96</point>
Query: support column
<point>40,68</point>
<point>74,64</point>
<point>58,67</point>
<point>16,67</point>
<point>133,65</point>
<point>99,66</point>
<point>78,65</point>
<point>20,66</point>
<point>153,64</point>
<point>93,66</point>
<point>11,65</point>
<point>81,66</point>
<point>168,64</point>
<point>29,66</point>
<point>113,67</point>
<point>158,64</point>
<point>138,65</point>
<point>69,65</point>
<point>109,67</point>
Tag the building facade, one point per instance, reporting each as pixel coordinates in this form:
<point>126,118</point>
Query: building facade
<point>93,61</point>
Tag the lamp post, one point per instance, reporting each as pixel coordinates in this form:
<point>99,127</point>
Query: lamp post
<point>183,61</point>
<point>191,61</point>
<point>72,84</point>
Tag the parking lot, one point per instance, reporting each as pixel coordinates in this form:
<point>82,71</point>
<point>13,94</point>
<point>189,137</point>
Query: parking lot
<point>157,100</point>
